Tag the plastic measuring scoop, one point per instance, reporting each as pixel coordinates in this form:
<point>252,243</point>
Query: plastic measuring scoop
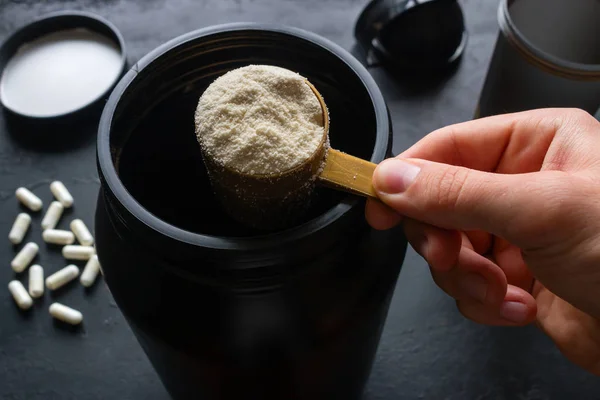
<point>275,200</point>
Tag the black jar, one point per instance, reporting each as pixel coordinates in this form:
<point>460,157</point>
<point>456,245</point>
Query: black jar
<point>223,311</point>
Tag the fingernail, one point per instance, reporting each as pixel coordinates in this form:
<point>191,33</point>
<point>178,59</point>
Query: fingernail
<point>514,311</point>
<point>395,176</point>
<point>474,285</point>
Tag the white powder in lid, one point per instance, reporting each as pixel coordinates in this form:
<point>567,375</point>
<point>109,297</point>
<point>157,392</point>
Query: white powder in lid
<point>60,72</point>
<point>259,120</point>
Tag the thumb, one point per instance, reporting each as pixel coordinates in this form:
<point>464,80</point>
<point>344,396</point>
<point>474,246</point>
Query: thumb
<point>510,206</point>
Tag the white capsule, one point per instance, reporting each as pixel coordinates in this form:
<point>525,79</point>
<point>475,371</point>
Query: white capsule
<point>24,257</point>
<point>59,190</point>
<point>19,228</point>
<point>57,236</point>
<point>75,252</point>
<point>29,199</point>
<point>82,233</point>
<point>52,216</point>
<point>65,314</point>
<point>90,272</point>
<point>20,295</point>
<point>62,277</point>
<point>36,281</point>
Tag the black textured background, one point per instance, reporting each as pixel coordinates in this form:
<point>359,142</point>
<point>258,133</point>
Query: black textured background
<point>428,351</point>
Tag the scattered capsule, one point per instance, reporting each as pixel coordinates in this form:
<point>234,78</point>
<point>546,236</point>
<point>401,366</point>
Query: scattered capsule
<point>65,314</point>
<point>28,199</point>
<point>74,252</point>
<point>20,295</point>
<point>60,191</point>
<point>24,257</point>
<point>36,281</point>
<point>82,233</point>
<point>57,236</point>
<point>19,228</point>
<point>53,215</point>
<point>62,277</point>
<point>90,272</point>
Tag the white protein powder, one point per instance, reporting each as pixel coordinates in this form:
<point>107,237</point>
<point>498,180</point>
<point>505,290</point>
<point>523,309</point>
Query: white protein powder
<point>59,73</point>
<point>259,120</point>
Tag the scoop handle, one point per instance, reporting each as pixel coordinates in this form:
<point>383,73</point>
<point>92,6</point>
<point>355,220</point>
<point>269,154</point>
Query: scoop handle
<point>348,173</point>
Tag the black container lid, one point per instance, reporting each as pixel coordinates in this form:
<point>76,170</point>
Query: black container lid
<point>59,68</point>
<point>415,35</point>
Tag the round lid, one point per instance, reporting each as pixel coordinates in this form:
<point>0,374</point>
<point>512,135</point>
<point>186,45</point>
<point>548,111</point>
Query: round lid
<point>419,35</point>
<point>60,65</point>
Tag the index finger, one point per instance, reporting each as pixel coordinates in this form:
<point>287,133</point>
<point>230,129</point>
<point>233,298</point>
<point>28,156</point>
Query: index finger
<point>485,144</point>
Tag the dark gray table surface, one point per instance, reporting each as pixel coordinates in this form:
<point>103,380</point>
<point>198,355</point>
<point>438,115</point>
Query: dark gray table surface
<point>428,350</point>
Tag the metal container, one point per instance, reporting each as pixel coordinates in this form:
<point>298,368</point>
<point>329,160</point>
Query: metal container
<point>221,310</point>
<point>547,55</point>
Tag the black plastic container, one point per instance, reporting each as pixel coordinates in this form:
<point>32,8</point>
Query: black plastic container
<point>222,311</point>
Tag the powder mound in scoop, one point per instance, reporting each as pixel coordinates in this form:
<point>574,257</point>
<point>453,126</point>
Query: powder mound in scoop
<point>259,120</point>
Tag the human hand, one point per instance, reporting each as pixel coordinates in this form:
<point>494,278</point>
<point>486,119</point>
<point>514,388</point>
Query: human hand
<point>506,211</point>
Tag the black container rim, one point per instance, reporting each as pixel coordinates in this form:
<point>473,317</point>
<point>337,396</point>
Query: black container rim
<point>55,22</point>
<point>570,69</point>
<point>116,187</point>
